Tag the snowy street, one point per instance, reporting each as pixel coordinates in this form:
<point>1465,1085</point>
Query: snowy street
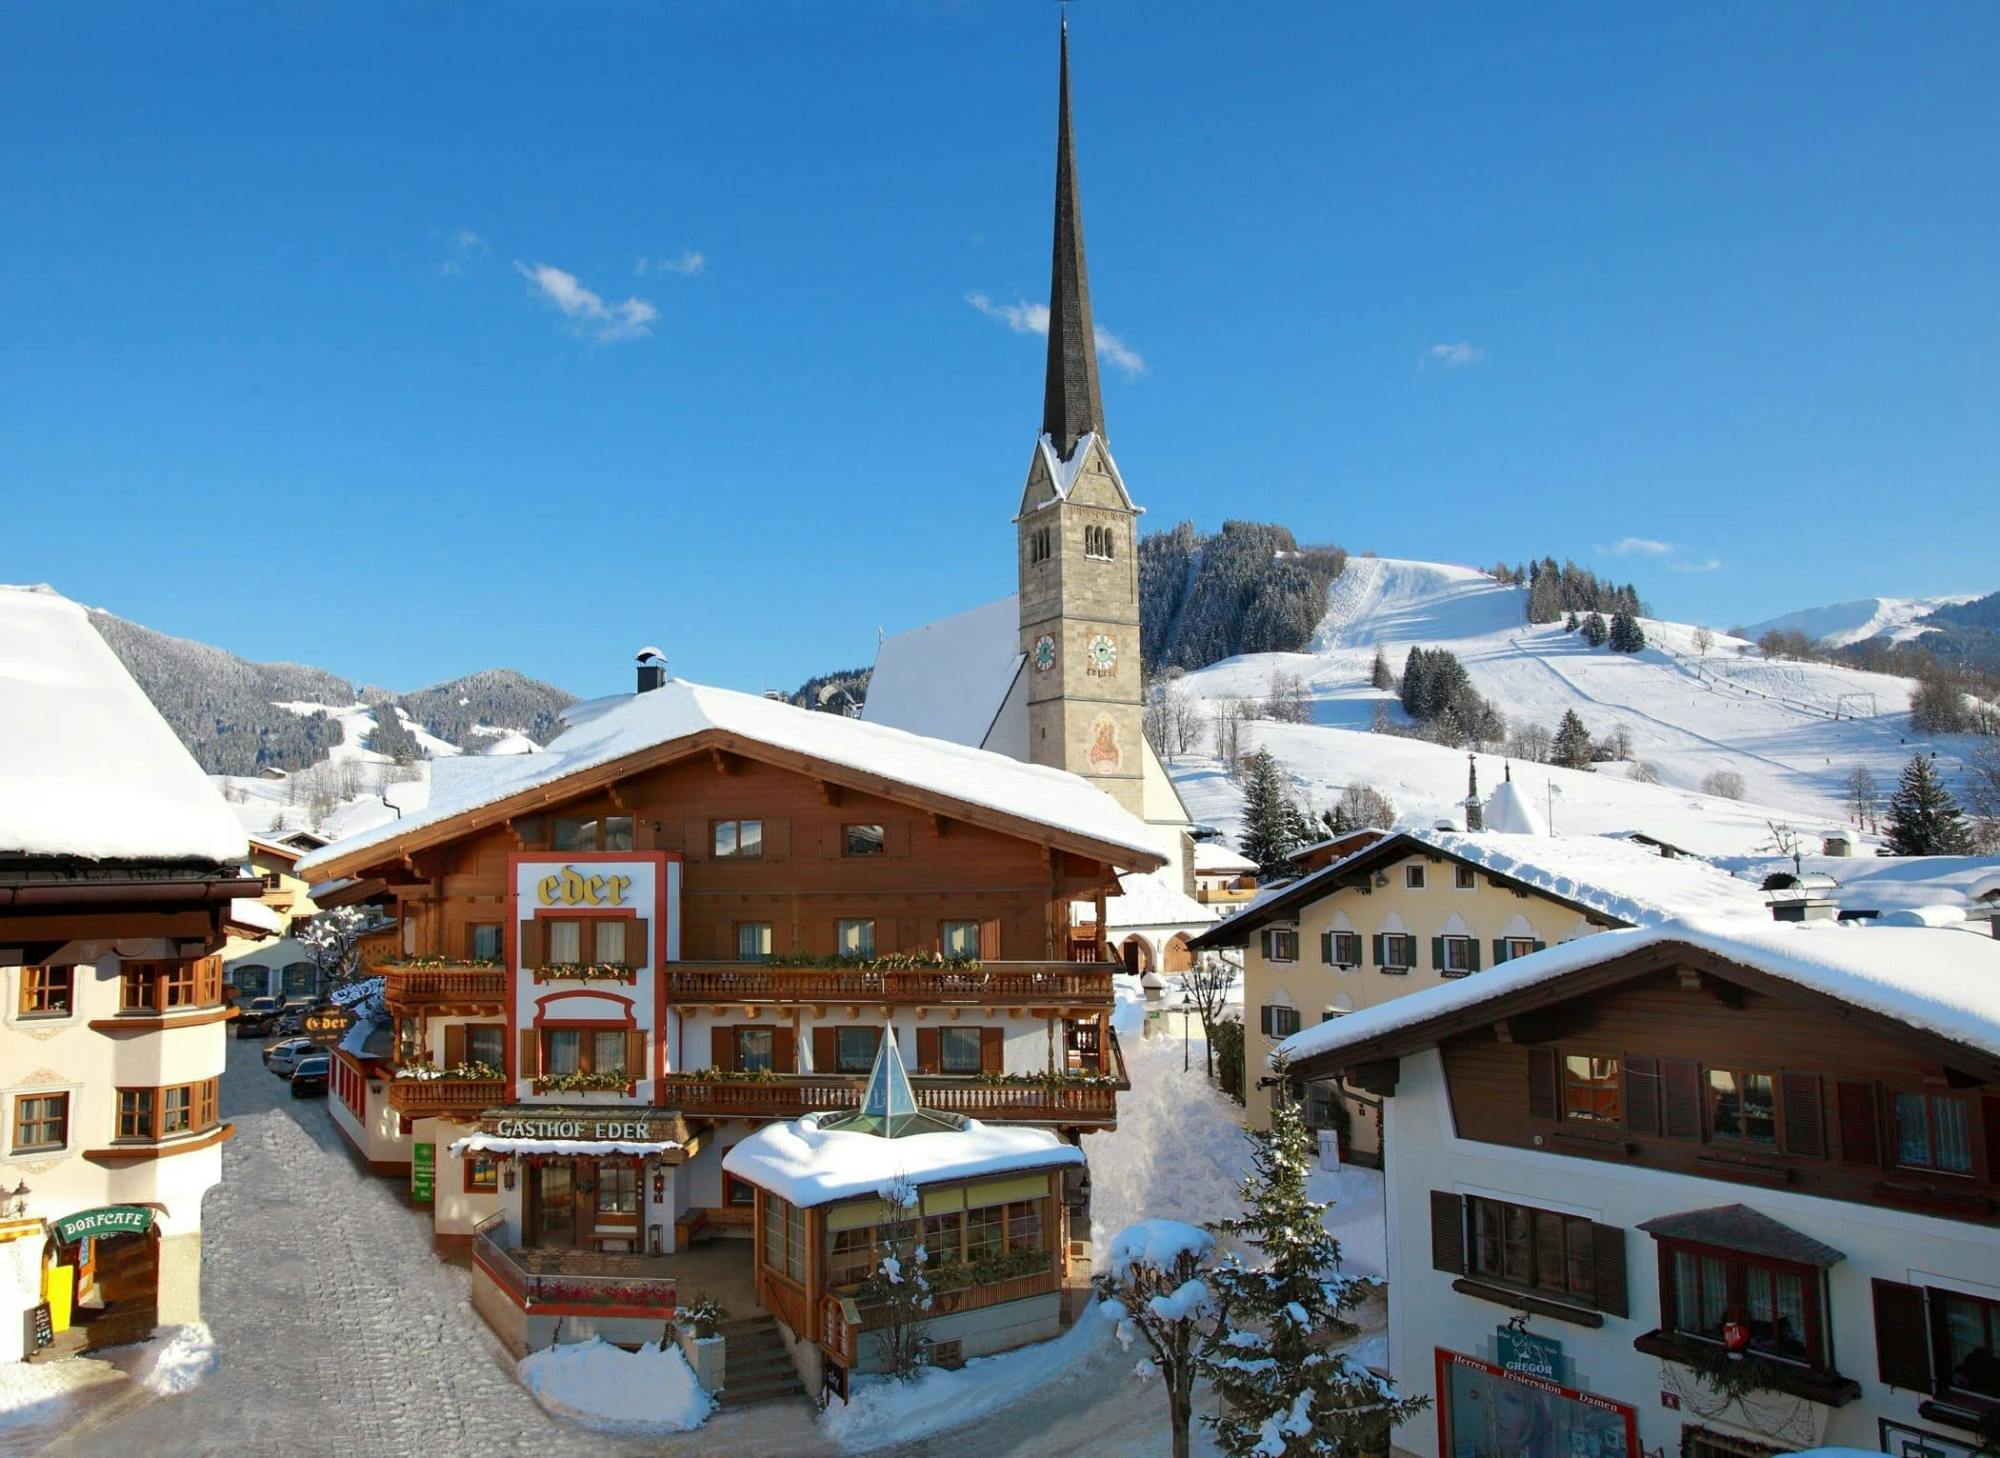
<point>336,1326</point>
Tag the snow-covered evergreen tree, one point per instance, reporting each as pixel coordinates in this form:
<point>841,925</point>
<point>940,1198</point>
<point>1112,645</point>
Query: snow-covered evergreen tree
<point>1594,631</point>
<point>1270,820</point>
<point>1379,676</point>
<point>1569,623</point>
<point>1626,634</point>
<point>1924,819</point>
<point>1571,746</point>
<point>1281,1315</point>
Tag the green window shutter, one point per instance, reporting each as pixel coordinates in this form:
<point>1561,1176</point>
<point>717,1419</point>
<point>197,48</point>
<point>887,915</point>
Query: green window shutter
<point>1539,945</point>
<point>1326,948</point>
<point>1472,951</point>
<point>1437,954</point>
<point>1381,951</point>
<point>1499,950</point>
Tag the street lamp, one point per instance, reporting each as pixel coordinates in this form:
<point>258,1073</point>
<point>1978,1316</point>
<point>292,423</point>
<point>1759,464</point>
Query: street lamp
<point>19,1196</point>
<point>1187,1007</point>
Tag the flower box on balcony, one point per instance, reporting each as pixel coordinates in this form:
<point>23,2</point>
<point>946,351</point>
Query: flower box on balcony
<point>585,972</point>
<point>616,1082</point>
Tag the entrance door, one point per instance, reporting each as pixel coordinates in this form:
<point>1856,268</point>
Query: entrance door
<point>555,1206</point>
<point>118,1289</point>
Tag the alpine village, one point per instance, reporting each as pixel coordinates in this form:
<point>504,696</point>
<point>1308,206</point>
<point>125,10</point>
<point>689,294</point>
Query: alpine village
<point>1228,996</point>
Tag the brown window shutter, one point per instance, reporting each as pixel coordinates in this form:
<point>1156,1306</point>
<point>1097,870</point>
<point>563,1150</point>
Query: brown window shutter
<point>1448,1232</point>
<point>1680,1081</point>
<point>635,1052</point>
<point>531,1054</point>
<point>1859,1141</point>
<point>928,1056</point>
<point>992,1044</point>
<point>697,840</point>
<point>1805,1122</point>
<point>454,1045</point>
<point>1541,1083</point>
<point>896,838</point>
<point>831,839</point>
<point>989,941</point>
<point>784,1050</point>
<point>638,951</point>
<point>826,1051</point>
<point>1607,1251</point>
<point>722,1049</point>
<point>777,840</point>
<point>1642,1094</point>
<point>1902,1336</point>
<point>530,945</point>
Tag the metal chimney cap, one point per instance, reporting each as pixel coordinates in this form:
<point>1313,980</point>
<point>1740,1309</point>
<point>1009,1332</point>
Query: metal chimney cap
<point>649,651</point>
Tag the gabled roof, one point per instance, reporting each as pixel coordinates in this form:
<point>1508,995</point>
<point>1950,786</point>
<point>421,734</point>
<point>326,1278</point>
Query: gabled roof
<point>609,738</point>
<point>1606,878</point>
<point>1940,987</point>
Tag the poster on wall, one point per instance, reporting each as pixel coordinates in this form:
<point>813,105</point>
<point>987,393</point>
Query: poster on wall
<point>1489,1413</point>
<point>423,1173</point>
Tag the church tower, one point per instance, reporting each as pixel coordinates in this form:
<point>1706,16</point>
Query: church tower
<point>1078,538</point>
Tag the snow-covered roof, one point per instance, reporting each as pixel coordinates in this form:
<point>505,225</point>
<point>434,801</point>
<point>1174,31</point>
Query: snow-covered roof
<point>948,679</point>
<point>1510,812</point>
<point>1154,898</point>
<point>503,1144</point>
<point>807,1165</point>
<point>247,912</point>
<point>607,730</point>
<point>1883,883</point>
<point>87,766</point>
<point>1942,982</point>
<point>1212,858</point>
<point>1063,473</point>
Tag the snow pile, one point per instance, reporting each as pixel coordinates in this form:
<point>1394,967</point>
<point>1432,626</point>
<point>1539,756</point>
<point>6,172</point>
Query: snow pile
<point>880,1411</point>
<point>608,730</point>
<point>613,1390</point>
<point>87,765</point>
<point>808,1165</point>
<point>1510,812</point>
<point>175,1360</point>
<point>1156,1244</point>
<point>1941,982</point>
<point>39,1394</point>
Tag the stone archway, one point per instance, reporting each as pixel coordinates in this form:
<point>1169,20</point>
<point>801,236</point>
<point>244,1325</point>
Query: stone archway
<point>1175,956</point>
<point>1137,954</point>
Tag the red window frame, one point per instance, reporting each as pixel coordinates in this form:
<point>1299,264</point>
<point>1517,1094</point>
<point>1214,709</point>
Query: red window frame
<point>1736,1265</point>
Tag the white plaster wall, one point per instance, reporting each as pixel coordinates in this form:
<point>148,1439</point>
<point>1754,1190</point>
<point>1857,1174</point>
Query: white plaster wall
<point>1425,1313</point>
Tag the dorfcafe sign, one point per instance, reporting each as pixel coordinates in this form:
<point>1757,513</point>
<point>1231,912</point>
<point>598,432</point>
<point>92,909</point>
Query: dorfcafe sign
<point>106,1220</point>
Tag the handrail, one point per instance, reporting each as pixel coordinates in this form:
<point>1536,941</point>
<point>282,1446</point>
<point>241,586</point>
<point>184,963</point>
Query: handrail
<point>990,983</point>
<point>531,1288</point>
<point>420,1095</point>
<point>809,1093</point>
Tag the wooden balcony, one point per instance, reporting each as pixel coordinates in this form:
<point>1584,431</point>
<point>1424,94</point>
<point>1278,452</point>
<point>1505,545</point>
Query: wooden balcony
<point>421,1098</point>
<point>991,984</point>
<point>409,987</point>
<point>1071,1105</point>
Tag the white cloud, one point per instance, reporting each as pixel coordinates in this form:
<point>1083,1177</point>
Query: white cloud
<point>1452,356</point>
<point>1024,317</point>
<point>1639,547</point>
<point>687,263</point>
<point>467,249</point>
<point>606,323</point>
<point>1706,564</point>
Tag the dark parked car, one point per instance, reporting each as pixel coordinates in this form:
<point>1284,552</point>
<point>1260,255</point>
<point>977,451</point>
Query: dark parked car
<point>309,1079</point>
<point>256,1018</point>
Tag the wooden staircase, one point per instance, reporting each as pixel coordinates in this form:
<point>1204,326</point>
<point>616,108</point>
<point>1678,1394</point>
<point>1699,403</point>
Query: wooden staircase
<point>757,1367</point>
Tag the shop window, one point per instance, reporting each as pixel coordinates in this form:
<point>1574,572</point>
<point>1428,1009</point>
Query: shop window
<point>48,992</point>
<point>738,839</point>
<point>1537,1250</point>
<point>1591,1089</point>
<point>1281,944</point>
<point>755,1049</point>
<point>1464,878</point>
<point>482,1174</point>
<point>1742,1106</point>
<point>486,1043</point>
<point>944,1239</point>
<point>609,942</point>
<point>1456,956</point>
<point>618,1192</point>
<point>784,1239</point>
<point>1340,948</point>
<point>1414,878</point>
<point>862,840</point>
<point>959,939</point>
<point>1487,1410</point>
<point>1279,1021</point>
<point>855,939</point>
<point>753,941</point>
<point>985,1231</point>
<point>563,943</point>
<point>958,1050</point>
<point>1024,1225</point>
<point>483,942</point>
<point>854,1049</point>
<point>41,1121</point>
<point>1933,1131</point>
<point>1778,1302</point>
<point>850,1258</point>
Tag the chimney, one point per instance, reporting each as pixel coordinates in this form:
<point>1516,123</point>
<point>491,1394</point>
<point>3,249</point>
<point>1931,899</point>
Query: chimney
<point>1475,813</point>
<point>652,669</point>
<point>1811,897</point>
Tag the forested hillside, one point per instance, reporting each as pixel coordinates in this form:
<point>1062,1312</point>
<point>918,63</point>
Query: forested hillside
<point>498,698</point>
<point>1249,588</point>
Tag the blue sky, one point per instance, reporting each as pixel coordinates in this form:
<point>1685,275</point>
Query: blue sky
<point>409,340</point>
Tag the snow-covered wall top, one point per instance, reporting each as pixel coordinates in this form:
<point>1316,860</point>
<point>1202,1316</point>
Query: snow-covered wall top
<point>1942,981</point>
<point>87,765</point>
<point>605,730</point>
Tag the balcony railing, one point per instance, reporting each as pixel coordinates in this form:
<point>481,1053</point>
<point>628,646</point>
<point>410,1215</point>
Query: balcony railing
<point>420,1097</point>
<point>991,984</point>
<point>788,1096</point>
<point>409,985</point>
<point>569,1291</point>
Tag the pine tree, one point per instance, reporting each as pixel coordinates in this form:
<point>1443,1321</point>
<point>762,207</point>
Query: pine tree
<point>1569,623</point>
<point>1626,634</point>
<point>1571,746</point>
<point>1594,631</point>
<point>1269,817</point>
<point>1924,819</point>
<point>1285,1395</point>
<point>1379,676</point>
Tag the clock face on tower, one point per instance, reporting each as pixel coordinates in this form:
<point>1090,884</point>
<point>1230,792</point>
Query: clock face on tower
<point>1045,653</point>
<point>1101,657</point>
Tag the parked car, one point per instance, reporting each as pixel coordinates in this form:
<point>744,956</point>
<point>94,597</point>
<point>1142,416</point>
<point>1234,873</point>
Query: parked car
<point>284,1058</point>
<point>309,1078</point>
<point>288,1022</point>
<point>255,1020</point>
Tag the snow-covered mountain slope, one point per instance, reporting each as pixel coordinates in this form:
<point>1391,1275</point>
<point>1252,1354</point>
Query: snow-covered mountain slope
<point>1793,731</point>
<point>1840,623</point>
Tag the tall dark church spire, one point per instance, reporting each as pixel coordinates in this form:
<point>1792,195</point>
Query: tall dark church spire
<point>1071,403</point>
